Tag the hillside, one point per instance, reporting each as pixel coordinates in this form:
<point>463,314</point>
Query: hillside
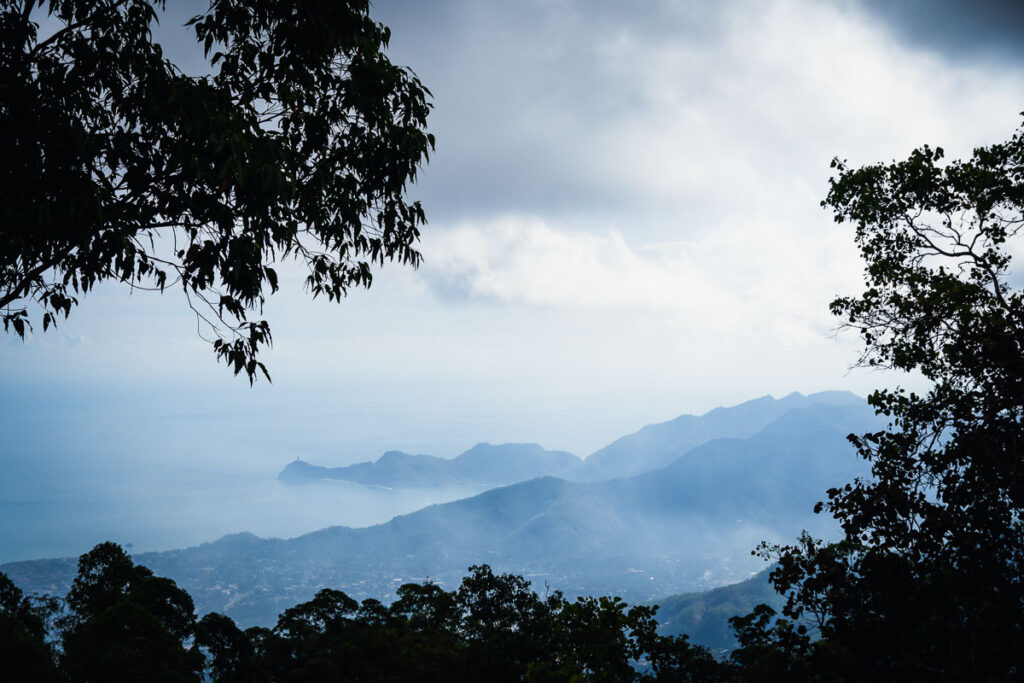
<point>686,527</point>
<point>704,615</point>
<point>657,445</point>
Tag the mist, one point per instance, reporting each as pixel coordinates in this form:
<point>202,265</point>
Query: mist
<point>162,469</point>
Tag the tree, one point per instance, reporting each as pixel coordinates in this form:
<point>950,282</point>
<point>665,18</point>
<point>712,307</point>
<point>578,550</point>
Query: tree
<point>116,165</point>
<point>230,655</point>
<point>504,623</point>
<point>24,652</point>
<point>126,624</point>
<point>927,580</point>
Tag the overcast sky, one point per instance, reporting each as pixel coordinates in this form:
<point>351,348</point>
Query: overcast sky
<point>624,224</point>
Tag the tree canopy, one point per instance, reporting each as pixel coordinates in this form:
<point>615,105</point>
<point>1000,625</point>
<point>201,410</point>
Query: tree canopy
<point>926,582</point>
<point>122,623</point>
<point>298,145</point>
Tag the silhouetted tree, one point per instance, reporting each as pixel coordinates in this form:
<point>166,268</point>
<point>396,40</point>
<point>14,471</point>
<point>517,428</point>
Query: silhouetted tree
<point>434,649</point>
<point>25,655</point>
<point>673,659</point>
<point>773,649</point>
<point>126,624</point>
<point>122,623</point>
<point>670,659</point>
<point>229,652</point>
<point>116,165</point>
<point>505,624</point>
<point>598,637</point>
<point>927,580</point>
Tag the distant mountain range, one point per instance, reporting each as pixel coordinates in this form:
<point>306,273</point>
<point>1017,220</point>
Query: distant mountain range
<point>658,445</point>
<point>687,526</point>
<point>482,464</point>
<point>652,447</point>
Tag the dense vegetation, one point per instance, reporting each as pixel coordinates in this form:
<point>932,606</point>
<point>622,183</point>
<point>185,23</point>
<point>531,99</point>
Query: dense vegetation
<point>120,622</point>
<point>927,581</point>
<point>705,616</point>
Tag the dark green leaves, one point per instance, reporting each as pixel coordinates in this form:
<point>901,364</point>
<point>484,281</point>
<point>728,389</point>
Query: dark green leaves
<point>926,582</point>
<point>300,145</point>
<point>123,623</point>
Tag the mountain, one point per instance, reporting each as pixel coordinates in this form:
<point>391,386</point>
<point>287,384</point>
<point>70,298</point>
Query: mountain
<point>651,448</point>
<point>484,463</point>
<point>792,460</point>
<point>686,527</point>
<point>657,445</point>
<point>704,616</point>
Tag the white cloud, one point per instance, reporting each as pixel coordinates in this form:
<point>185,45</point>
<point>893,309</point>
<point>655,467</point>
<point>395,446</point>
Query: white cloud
<point>624,203</point>
<point>528,261</point>
<point>702,120</point>
<point>746,122</point>
<point>754,279</point>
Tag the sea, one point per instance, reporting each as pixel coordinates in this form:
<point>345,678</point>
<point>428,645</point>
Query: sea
<point>153,471</point>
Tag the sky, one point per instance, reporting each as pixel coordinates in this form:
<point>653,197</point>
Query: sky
<point>624,225</point>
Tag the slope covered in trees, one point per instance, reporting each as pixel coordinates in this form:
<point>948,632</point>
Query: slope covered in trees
<point>704,616</point>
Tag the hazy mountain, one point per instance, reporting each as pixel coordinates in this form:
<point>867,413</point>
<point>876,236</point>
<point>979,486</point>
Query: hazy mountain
<point>686,527</point>
<point>657,445</point>
<point>651,448</point>
<point>484,463</point>
<point>704,616</point>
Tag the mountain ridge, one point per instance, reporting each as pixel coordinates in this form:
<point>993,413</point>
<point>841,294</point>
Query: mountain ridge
<point>651,447</point>
<point>484,463</point>
<point>687,526</point>
<point>657,445</point>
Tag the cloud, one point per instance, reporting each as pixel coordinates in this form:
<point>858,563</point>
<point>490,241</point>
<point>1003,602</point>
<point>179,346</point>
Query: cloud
<point>624,204</point>
<point>958,28</point>
<point>672,165</point>
<point>754,277</point>
<point>568,109</point>
<point>527,261</point>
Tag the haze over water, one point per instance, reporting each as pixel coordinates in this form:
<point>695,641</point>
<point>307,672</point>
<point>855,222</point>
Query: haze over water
<point>89,466</point>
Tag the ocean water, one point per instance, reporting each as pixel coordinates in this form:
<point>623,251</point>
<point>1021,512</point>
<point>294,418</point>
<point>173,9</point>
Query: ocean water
<point>155,471</point>
<point>172,464</point>
<point>150,510</point>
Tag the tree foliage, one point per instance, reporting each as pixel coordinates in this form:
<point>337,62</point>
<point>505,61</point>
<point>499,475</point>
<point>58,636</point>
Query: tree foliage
<point>927,581</point>
<point>123,623</point>
<point>24,651</point>
<point>299,145</point>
